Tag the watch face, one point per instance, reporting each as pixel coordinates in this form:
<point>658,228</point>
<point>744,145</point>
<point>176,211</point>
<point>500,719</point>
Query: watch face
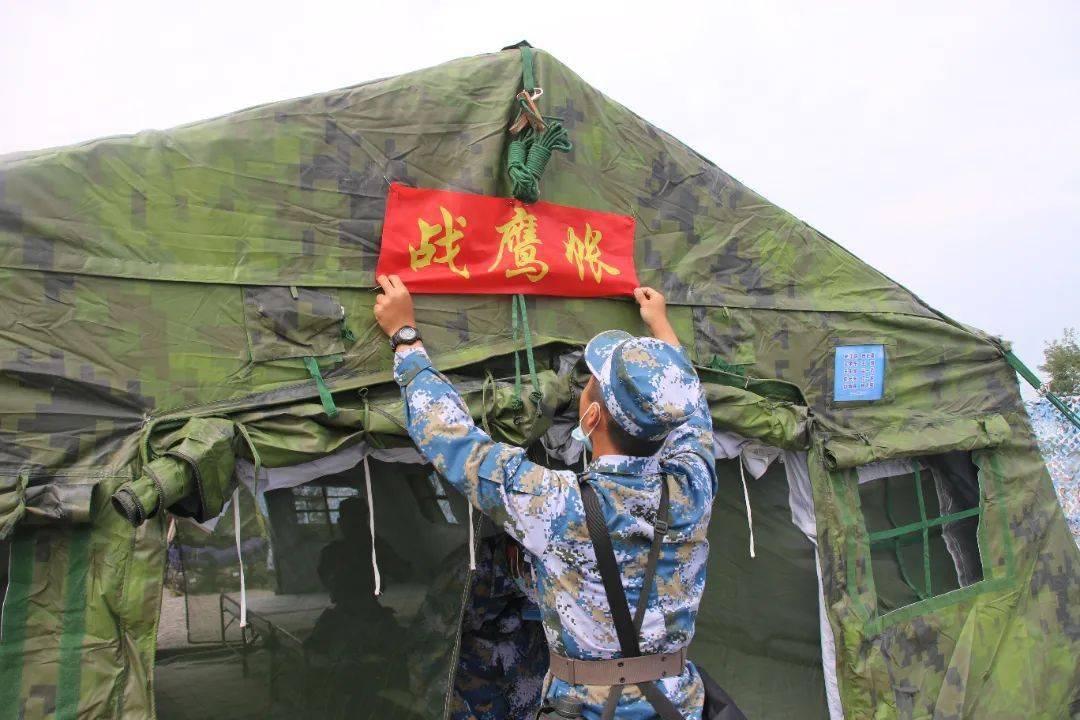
<point>407,334</point>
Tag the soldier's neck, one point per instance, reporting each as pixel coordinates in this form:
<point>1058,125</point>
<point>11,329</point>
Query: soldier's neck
<point>602,444</point>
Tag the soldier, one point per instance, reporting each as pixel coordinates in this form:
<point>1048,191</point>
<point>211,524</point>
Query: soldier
<point>345,564</point>
<point>644,416</point>
<point>502,658</point>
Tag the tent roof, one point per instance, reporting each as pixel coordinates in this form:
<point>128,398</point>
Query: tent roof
<point>293,193</point>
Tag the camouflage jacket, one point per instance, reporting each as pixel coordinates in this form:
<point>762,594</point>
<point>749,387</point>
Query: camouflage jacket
<point>502,657</point>
<point>542,510</point>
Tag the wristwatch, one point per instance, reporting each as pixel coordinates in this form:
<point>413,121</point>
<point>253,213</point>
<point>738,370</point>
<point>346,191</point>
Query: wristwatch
<point>406,334</point>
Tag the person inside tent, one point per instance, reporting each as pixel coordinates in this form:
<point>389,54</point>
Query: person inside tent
<point>652,480</point>
<point>337,650</point>
<point>345,564</point>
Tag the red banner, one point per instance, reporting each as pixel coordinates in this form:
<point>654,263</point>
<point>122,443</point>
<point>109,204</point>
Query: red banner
<point>441,241</point>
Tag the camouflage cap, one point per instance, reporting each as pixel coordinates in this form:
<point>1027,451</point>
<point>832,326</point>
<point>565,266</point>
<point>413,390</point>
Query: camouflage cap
<point>648,385</point>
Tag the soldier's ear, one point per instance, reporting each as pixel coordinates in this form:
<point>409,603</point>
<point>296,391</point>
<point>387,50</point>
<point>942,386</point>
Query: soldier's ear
<point>596,419</point>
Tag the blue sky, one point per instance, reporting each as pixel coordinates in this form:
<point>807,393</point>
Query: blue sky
<point>941,146</point>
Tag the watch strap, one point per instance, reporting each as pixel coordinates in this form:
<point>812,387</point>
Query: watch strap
<point>396,339</point>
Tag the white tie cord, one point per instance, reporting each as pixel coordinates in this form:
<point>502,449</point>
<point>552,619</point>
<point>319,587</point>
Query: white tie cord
<point>472,540</point>
<point>371,526</point>
<point>749,514</point>
<point>239,556</point>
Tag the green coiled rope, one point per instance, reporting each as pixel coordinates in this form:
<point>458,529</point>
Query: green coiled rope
<point>528,155</point>
<point>530,151</point>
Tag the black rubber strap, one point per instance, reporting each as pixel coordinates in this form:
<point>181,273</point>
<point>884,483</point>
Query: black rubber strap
<point>609,572</point>
<point>660,528</point>
<point>625,628</point>
<point>660,702</point>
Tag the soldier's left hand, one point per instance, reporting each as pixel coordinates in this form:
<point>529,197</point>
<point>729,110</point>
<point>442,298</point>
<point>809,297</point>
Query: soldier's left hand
<point>394,307</point>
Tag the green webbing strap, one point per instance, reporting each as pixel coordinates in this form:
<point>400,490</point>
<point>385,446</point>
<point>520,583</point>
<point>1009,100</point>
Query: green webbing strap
<point>925,534</point>
<point>520,326</point>
<point>514,321</point>
<point>329,407</point>
<point>888,535</point>
<point>536,394</point>
<point>69,673</point>
<point>528,77</point>
<point>16,612</point>
<point>489,381</point>
<point>897,543</point>
<point>718,363</point>
<point>371,439</point>
<point>1025,372</point>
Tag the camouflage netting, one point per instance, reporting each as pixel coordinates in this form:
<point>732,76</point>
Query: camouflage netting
<point>147,323</point>
<point>1059,441</point>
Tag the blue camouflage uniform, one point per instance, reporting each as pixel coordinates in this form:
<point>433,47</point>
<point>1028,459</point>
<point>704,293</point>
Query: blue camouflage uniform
<point>651,390</point>
<point>502,659</point>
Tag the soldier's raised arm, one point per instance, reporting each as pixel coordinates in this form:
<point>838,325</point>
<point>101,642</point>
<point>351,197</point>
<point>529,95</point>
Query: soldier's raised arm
<point>521,496</point>
<point>691,444</point>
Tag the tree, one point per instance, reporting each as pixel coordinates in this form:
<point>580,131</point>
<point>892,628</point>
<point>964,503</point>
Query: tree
<point>1063,364</point>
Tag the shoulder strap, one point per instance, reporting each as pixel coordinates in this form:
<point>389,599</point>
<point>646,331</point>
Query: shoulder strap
<point>627,629</point>
<point>609,571</point>
<point>660,529</point>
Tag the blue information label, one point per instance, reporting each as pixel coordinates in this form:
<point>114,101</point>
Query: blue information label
<point>859,374</point>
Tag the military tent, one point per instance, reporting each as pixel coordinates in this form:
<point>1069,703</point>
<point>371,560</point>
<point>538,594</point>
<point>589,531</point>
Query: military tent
<point>185,319</point>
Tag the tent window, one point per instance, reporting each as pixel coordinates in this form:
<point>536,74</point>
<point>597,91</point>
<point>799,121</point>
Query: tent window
<point>318,505</point>
<point>922,516</point>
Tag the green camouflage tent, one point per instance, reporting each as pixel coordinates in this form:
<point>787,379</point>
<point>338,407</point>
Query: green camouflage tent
<point>187,312</point>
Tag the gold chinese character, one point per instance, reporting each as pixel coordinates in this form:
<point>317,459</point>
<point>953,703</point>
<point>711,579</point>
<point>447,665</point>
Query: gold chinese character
<point>421,257</point>
<point>587,252</point>
<point>519,237</point>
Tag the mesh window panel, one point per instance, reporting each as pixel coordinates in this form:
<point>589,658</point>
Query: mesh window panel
<point>319,644</point>
<point>923,529</point>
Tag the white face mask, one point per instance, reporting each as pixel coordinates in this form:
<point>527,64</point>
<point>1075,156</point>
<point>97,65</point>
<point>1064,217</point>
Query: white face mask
<point>579,434</point>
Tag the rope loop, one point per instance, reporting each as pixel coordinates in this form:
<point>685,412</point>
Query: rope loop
<point>556,137</point>
<point>537,160</point>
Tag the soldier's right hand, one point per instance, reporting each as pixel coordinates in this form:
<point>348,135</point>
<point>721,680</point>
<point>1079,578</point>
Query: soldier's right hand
<point>653,308</point>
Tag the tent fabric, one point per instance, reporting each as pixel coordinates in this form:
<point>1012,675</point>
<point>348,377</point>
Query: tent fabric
<point>148,280</point>
<point>967,434</point>
<point>759,636</point>
<point>801,501</point>
<point>293,193</point>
